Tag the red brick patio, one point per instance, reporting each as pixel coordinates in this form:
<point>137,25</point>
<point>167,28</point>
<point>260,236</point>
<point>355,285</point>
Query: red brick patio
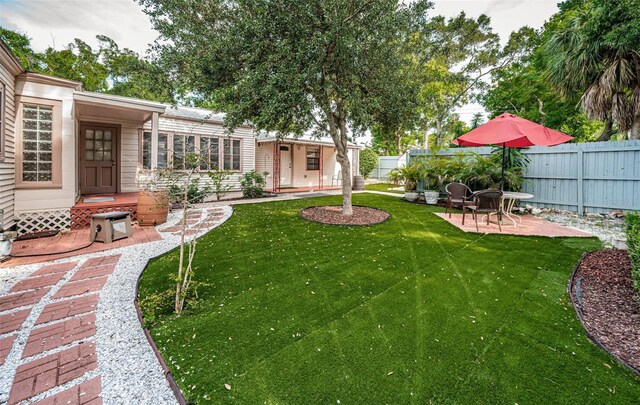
<point>530,226</point>
<point>71,240</point>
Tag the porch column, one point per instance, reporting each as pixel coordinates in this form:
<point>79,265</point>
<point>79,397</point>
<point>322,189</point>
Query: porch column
<point>154,140</point>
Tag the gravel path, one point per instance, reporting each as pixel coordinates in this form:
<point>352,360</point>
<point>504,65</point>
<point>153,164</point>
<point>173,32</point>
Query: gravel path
<point>110,355</point>
<point>609,230</point>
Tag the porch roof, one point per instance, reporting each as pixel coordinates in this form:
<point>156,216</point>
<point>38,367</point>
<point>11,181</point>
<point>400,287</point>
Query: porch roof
<point>303,139</point>
<point>98,105</point>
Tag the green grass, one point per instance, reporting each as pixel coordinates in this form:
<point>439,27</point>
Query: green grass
<point>409,311</point>
<point>386,187</point>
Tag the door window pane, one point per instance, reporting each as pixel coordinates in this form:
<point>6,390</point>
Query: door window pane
<point>313,158</point>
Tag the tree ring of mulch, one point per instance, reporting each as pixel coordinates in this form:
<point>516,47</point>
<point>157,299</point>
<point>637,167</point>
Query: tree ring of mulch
<point>602,293</point>
<point>332,215</point>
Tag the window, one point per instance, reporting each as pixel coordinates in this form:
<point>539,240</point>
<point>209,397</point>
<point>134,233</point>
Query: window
<point>232,154</point>
<point>313,158</point>
<point>163,148</point>
<point>183,146</point>
<point>2,118</point>
<point>210,153</point>
<point>38,143</point>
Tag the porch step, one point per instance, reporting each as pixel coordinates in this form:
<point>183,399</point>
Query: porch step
<point>81,212</point>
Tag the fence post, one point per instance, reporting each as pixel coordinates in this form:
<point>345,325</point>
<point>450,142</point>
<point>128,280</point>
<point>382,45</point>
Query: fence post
<point>580,176</point>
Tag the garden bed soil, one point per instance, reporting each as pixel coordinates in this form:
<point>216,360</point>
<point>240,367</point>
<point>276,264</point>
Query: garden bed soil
<point>608,304</point>
<point>332,215</point>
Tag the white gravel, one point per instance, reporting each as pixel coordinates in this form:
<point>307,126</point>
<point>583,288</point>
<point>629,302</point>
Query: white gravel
<point>609,230</point>
<point>127,365</point>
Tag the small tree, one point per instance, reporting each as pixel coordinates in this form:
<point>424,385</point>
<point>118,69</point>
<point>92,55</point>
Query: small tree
<point>368,161</point>
<point>185,185</point>
<point>219,183</point>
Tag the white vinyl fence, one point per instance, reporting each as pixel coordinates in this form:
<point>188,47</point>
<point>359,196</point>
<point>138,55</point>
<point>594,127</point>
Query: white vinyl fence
<point>387,164</point>
<point>579,177</point>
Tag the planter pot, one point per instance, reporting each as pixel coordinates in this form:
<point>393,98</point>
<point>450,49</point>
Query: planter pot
<point>411,195</point>
<point>153,207</point>
<point>5,247</point>
<point>358,183</point>
<point>431,197</point>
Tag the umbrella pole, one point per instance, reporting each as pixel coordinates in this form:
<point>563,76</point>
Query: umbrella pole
<point>503,163</point>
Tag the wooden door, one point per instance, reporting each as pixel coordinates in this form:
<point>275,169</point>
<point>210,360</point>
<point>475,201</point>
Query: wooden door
<point>98,165</point>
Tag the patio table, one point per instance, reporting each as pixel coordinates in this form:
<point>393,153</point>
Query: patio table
<point>509,199</point>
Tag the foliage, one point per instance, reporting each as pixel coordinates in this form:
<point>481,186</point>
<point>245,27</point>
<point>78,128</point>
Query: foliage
<point>368,161</point>
<point>409,292</point>
<point>107,69</point>
<point>196,191</point>
<point>249,59</point>
<point>219,183</point>
<point>633,244</point>
<point>410,175</point>
<point>592,54</point>
<point>476,171</point>
<point>252,184</point>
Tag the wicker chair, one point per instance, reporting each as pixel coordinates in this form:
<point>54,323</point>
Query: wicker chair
<point>485,201</point>
<point>458,194</point>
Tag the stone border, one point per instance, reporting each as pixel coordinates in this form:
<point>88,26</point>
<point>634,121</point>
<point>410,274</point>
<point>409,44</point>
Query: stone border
<point>578,308</point>
<point>353,205</point>
<point>165,369</point>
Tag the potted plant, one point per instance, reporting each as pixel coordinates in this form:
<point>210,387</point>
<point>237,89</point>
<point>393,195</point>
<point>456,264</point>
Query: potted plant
<point>431,169</point>
<point>411,174</point>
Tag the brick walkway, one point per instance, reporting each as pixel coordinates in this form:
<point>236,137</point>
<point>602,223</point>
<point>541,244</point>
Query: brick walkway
<point>48,328</point>
<point>57,364</point>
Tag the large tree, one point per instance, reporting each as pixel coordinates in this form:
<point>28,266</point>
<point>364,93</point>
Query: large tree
<point>292,66</point>
<point>595,54</point>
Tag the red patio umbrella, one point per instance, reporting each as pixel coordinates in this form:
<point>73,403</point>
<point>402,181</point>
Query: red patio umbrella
<point>510,131</point>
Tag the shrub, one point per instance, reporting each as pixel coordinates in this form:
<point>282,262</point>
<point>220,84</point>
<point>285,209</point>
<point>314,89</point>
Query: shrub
<point>252,184</point>
<point>368,161</point>
<point>196,193</point>
<point>218,182</point>
<point>633,243</point>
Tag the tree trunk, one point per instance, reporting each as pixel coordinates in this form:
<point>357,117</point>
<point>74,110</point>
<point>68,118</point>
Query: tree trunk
<point>398,142</point>
<point>607,131</point>
<point>426,138</point>
<point>345,168</point>
<point>634,133</point>
<point>438,132</point>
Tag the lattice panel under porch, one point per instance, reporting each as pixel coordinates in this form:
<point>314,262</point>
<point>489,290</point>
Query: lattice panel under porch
<point>35,221</point>
<point>81,217</point>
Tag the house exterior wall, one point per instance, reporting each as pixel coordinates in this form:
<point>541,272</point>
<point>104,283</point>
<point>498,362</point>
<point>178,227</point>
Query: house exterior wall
<point>175,125</point>
<point>301,177</point>
<point>7,161</point>
<point>63,197</point>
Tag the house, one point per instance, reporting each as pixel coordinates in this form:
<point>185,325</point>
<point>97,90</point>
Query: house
<point>59,144</point>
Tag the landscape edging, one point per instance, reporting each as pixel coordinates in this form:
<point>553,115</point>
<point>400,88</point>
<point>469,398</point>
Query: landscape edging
<point>576,307</point>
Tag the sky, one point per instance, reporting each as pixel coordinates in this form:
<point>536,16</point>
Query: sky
<point>57,22</point>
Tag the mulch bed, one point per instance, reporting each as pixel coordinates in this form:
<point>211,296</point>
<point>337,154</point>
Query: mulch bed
<point>332,215</point>
<point>608,303</point>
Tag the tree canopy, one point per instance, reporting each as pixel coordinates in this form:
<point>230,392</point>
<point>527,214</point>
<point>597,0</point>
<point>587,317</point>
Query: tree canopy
<point>327,67</point>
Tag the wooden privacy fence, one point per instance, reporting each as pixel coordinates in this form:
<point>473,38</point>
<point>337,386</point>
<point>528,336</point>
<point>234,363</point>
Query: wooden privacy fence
<point>579,177</point>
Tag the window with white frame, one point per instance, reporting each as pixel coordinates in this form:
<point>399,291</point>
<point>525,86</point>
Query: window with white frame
<point>231,159</point>
<point>313,157</point>
<point>163,150</point>
<point>183,147</point>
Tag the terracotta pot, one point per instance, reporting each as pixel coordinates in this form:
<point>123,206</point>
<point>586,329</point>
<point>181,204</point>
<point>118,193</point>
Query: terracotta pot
<point>153,207</point>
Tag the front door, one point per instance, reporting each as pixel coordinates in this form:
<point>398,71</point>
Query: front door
<point>98,153</point>
<point>285,165</point>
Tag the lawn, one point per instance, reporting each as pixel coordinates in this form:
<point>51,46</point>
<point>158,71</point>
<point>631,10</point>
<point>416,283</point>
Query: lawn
<point>386,187</point>
<point>409,311</point>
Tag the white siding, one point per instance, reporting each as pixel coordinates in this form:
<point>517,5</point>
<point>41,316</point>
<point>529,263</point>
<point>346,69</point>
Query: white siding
<point>64,197</point>
<point>7,166</point>
<point>171,125</point>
